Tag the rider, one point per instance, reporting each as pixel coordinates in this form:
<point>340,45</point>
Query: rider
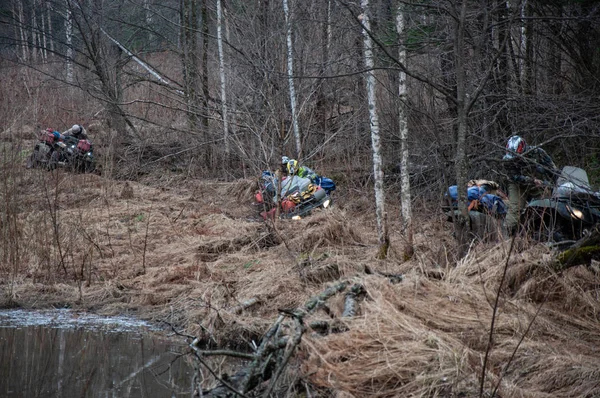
<point>301,171</point>
<point>294,181</point>
<point>77,131</point>
<point>529,169</point>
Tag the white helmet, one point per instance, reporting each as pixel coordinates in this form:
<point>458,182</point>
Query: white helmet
<point>76,128</point>
<point>516,144</point>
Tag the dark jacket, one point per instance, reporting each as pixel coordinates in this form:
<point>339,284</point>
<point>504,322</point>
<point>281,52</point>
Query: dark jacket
<point>534,164</point>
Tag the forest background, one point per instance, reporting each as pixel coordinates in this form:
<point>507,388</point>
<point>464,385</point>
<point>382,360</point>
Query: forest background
<point>403,98</point>
<point>224,89</point>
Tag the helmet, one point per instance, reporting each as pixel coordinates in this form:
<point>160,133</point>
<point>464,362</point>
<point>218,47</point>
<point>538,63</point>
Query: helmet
<point>292,167</point>
<point>515,144</point>
<point>285,160</point>
<point>76,129</point>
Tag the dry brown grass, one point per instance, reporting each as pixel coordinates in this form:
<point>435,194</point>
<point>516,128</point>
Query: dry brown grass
<point>428,337</point>
<point>192,254</point>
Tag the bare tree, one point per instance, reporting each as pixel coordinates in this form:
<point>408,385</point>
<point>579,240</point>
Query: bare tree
<point>462,108</point>
<point>190,58</point>
<point>35,39</point>
<point>405,197</point>
<point>222,78</point>
<point>290,75</point>
<point>382,232</point>
<point>69,42</point>
<point>548,71</point>
<point>204,115</point>
<point>22,31</point>
<point>49,21</point>
<point>148,19</point>
<point>44,40</point>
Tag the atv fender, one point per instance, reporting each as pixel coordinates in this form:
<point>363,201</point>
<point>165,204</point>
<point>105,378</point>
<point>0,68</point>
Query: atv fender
<point>545,205</point>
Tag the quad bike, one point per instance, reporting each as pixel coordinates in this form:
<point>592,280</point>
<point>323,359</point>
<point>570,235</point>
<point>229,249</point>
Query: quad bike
<point>486,208</point>
<point>74,154</point>
<point>298,196</point>
<point>42,153</point>
<point>568,213</point>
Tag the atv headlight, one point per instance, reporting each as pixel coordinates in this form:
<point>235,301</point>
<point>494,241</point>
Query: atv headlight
<point>575,213</point>
<point>326,203</point>
<point>296,218</point>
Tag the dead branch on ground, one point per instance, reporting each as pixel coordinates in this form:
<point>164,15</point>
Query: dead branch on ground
<point>269,360</point>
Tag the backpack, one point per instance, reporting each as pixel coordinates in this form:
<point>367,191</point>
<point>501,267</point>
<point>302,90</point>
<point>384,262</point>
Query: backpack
<point>326,183</point>
<point>480,197</point>
<point>84,145</point>
<point>47,136</point>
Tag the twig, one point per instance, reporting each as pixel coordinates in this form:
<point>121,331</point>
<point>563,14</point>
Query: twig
<point>494,312</point>
<point>146,242</point>
<point>233,354</point>
<point>288,354</point>
<point>312,303</point>
<point>244,305</point>
<point>178,333</point>
<point>260,353</point>
<point>514,353</point>
<point>223,382</point>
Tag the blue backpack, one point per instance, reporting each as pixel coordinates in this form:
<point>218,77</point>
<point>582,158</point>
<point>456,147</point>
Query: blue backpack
<point>326,183</point>
<point>473,193</point>
<point>491,203</point>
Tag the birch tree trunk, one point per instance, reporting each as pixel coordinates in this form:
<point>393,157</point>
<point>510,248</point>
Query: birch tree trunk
<point>50,37</point>
<point>222,77</point>
<point>148,20</point>
<point>43,35</point>
<point>290,74</point>
<point>205,91</point>
<point>23,33</point>
<point>382,232</point>
<point>69,42</point>
<point>405,198</point>
<point>17,11</point>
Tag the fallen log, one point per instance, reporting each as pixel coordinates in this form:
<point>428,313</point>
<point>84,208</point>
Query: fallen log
<point>581,253</point>
<point>278,345</point>
<point>261,366</point>
<point>244,305</point>
<point>351,301</point>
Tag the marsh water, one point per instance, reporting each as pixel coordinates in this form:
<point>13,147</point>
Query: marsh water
<point>64,354</point>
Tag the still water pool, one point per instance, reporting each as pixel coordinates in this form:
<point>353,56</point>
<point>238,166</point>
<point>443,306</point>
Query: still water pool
<point>64,354</point>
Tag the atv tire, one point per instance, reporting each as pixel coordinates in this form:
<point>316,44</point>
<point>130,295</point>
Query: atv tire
<point>53,162</point>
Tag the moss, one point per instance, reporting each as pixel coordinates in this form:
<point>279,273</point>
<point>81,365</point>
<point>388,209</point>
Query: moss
<point>408,252</point>
<point>383,250</point>
<point>576,256</point>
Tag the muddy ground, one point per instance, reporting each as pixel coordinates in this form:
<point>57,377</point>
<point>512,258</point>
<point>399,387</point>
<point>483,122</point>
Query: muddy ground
<point>194,254</point>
